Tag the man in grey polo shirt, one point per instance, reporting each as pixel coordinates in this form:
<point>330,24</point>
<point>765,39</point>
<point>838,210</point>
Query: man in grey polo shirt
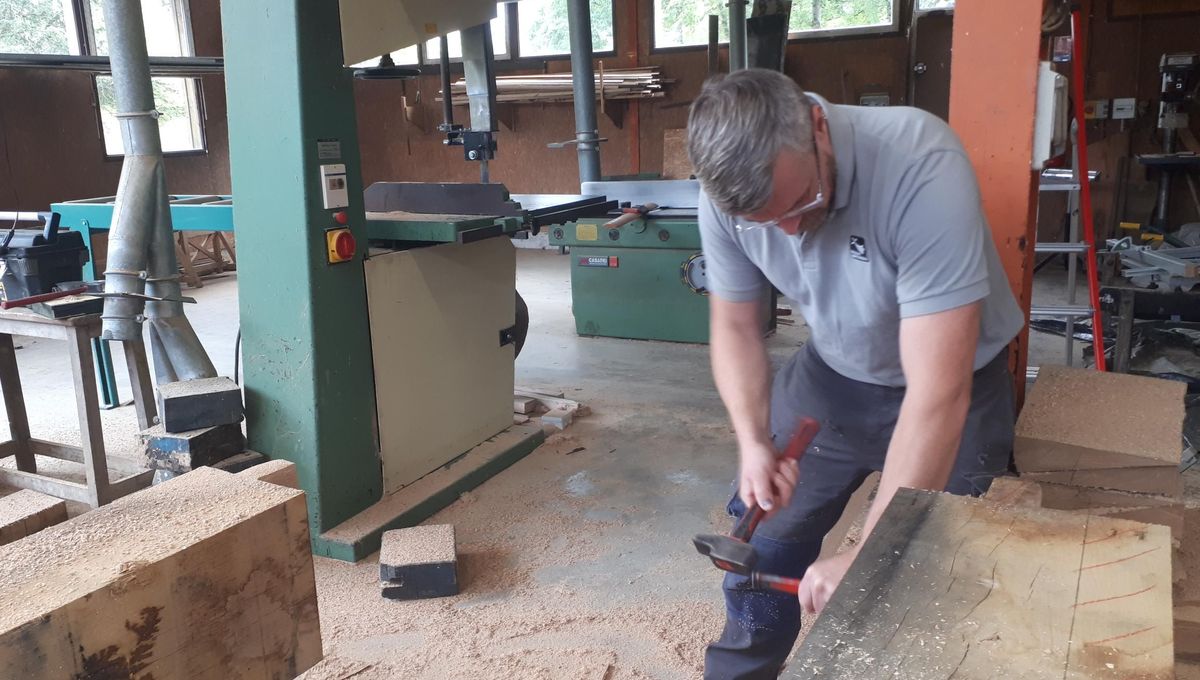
<point>869,219</point>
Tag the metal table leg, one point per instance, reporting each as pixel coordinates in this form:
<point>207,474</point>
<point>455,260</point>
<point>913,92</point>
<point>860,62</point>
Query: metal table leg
<point>106,377</point>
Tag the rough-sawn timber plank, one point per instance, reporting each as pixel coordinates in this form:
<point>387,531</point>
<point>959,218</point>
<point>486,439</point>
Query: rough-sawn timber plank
<point>958,587</point>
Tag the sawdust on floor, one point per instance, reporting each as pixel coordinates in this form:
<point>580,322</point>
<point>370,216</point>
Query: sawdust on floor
<point>529,606</point>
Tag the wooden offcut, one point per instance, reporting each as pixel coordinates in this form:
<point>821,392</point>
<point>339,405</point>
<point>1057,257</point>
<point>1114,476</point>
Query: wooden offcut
<point>206,576</point>
<point>954,587</point>
<point>27,512</point>
<point>1014,492</point>
<point>281,472</point>
<point>1078,419</point>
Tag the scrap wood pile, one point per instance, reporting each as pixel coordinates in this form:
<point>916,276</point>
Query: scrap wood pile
<point>1111,445</point>
<point>620,83</point>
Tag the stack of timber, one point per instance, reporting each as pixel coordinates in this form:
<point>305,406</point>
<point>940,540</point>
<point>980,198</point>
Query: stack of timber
<point>645,82</point>
<point>1105,442</point>
<point>206,576</point>
<point>954,587</point>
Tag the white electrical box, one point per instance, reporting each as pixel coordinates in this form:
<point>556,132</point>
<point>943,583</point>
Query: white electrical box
<point>1050,116</point>
<point>333,187</point>
<point>1124,108</point>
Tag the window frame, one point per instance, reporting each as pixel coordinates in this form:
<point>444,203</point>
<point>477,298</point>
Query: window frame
<point>894,28</point>
<point>194,85</point>
<point>510,16</point>
<point>82,37</point>
<point>515,39</point>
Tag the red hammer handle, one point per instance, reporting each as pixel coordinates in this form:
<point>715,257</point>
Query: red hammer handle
<point>806,430</point>
<point>783,584</point>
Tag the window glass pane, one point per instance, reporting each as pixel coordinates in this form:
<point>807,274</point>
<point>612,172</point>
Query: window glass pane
<point>543,28</point>
<point>164,32</point>
<point>821,15</point>
<point>433,48</point>
<point>404,57</point>
<point>37,27</point>
<point>175,99</point>
<point>935,4</point>
<point>685,22</point>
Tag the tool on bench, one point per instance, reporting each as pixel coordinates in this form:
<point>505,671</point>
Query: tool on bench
<point>733,553</point>
<point>632,214</point>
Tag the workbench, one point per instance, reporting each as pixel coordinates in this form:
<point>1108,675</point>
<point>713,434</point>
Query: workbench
<point>77,331</point>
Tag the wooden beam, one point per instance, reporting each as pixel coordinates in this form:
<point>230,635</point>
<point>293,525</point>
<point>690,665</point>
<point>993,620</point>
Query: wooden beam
<point>948,586</point>
<point>208,575</point>
<point>27,512</point>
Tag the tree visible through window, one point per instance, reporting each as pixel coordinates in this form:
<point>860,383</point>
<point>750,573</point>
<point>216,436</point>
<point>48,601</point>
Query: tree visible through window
<point>685,22</point>
<point>935,4</point>
<point>819,15</point>
<point>37,27</point>
<point>543,28</point>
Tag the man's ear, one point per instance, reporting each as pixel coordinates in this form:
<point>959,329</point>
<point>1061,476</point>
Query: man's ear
<point>818,115</point>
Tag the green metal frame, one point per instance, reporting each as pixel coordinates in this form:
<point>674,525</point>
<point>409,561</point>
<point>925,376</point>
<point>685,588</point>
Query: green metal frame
<point>309,383</point>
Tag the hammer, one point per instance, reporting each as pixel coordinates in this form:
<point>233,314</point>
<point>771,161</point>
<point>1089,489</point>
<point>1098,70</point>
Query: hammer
<point>734,553</point>
<point>630,215</point>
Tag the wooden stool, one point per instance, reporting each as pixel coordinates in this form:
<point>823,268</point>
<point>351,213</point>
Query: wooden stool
<point>78,332</point>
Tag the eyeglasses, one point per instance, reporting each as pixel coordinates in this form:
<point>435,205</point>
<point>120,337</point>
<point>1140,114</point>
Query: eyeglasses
<point>817,202</point>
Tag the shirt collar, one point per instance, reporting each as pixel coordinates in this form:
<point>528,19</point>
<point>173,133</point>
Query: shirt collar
<point>841,135</point>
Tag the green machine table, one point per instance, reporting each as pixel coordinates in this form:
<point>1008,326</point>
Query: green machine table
<point>645,280</point>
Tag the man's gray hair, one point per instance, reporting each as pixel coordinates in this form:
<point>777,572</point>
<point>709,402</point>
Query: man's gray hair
<point>736,129</point>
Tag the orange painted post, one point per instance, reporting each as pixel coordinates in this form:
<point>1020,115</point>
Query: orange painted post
<point>993,93</point>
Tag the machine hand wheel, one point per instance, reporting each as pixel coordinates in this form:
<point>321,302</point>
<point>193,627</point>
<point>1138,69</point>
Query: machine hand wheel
<point>521,326</point>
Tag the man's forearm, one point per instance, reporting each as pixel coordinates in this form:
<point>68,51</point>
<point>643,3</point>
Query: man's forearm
<point>742,373</point>
<point>924,446</point>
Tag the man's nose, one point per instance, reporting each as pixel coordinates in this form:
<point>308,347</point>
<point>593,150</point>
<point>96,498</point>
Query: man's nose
<point>791,226</point>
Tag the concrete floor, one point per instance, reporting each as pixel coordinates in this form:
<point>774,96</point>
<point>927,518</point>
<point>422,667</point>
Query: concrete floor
<point>576,561</point>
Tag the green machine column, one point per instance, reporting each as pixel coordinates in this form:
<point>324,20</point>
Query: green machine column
<point>305,335</point>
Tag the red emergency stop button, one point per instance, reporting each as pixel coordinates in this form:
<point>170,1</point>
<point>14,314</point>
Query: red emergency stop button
<point>341,217</point>
<point>340,245</point>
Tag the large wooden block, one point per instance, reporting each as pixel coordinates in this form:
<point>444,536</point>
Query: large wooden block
<point>1077,419</point>
<point>27,512</point>
<point>1187,588</point>
<point>954,587</point>
<point>1162,480</point>
<point>208,576</point>
<point>1138,507</point>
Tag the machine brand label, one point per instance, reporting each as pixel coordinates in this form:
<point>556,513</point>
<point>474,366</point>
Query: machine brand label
<point>598,261</point>
<point>587,232</point>
<point>329,149</point>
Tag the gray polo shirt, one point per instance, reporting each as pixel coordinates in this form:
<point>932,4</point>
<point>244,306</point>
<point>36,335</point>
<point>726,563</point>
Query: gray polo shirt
<point>906,236</point>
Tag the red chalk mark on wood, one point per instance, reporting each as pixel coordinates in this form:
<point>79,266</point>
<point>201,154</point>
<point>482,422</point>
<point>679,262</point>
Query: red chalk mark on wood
<point>1115,597</point>
<point>1123,559</point>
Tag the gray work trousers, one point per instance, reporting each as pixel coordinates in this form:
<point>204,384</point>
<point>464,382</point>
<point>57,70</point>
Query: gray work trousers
<point>857,420</point>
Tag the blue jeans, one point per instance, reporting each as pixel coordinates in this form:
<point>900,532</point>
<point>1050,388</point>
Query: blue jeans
<point>857,420</point>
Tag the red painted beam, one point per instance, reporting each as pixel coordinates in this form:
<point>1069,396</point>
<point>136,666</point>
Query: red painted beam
<point>993,91</point>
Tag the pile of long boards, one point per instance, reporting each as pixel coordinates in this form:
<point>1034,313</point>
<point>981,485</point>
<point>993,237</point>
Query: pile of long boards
<point>206,576</point>
<point>1110,445</point>
<point>618,83</point>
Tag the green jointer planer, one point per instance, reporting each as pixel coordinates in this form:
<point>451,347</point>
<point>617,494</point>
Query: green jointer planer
<point>639,272</point>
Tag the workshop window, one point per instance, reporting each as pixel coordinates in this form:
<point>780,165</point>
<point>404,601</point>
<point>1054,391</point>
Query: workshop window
<point>542,27</point>
<point>180,114</point>
<point>38,27</point>
<point>178,100</point>
<point>433,48</point>
<point>923,5</point>
<point>682,23</point>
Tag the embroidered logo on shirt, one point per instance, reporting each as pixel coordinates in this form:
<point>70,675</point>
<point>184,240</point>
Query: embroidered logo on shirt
<point>858,248</point>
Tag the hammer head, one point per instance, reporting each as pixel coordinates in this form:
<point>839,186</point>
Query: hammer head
<point>728,554</point>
